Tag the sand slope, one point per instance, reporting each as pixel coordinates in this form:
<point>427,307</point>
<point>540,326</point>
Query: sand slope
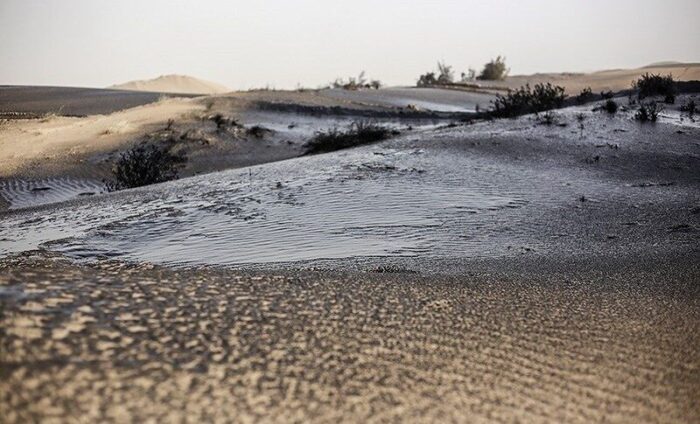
<point>181,84</point>
<point>615,80</point>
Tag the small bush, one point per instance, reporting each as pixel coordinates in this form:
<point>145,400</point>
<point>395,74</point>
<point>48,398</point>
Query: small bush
<point>427,79</point>
<point>690,108</point>
<point>496,70</point>
<point>143,165</point>
<point>649,85</point>
<point>526,100</point>
<point>548,118</point>
<point>445,76</point>
<point>610,106</point>
<point>359,133</point>
<point>607,95</point>
<point>584,96</point>
<point>648,112</point>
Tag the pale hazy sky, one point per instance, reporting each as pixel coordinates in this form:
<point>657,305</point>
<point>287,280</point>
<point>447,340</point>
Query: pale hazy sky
<point>284,42</point>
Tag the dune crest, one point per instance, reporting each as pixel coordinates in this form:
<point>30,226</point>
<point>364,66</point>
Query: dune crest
<point>182,84</point>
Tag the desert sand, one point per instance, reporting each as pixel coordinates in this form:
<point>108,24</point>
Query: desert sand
<point>482,271</point>
<point>610,80</point>
<point>179,84</point>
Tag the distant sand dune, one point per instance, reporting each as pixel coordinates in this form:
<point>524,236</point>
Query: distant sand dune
<point>181,84</point>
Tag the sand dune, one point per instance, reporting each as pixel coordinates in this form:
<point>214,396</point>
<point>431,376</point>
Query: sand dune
<point>615,80</point>
<point>181,84</point>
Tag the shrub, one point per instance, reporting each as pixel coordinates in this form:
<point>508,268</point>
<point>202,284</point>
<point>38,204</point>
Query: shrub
<point>526,100</point>
<point>607,95</point>
<point>445,74</point>
<point>584,96</point>
<point>649,85</point>
<point>549,118</point>
<point>648,112</point>
<point>143,165</point>
<point>690,108</point>
<point>426,80</point>
<point>359,133</point>
<point>495,70</point>
<point>609,106</point>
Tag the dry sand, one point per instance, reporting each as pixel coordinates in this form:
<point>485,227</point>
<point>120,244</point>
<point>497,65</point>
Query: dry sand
<point>586,341</point>
<point>615,80</point>
<point>180,84</point>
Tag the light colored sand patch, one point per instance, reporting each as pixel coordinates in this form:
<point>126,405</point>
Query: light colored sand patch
<point>174,84</point>
<point>61,141</point>
<point>615,80</point>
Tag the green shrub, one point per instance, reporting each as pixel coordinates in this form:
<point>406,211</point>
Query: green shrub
<point>359,133</point>
<point>526,100</point>
<point>495,70</point>
<point>649,85</point>
<point>143,165</point>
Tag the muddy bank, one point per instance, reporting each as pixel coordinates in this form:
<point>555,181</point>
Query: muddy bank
<point>600,341</point>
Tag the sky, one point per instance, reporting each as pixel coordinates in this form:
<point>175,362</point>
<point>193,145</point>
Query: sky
<point>286,43</point>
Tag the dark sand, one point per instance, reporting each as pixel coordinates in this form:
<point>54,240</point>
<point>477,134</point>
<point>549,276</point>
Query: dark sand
<point>72,100</point>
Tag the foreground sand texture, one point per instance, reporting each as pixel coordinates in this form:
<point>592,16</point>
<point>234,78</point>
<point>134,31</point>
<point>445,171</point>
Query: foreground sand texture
<point>610,341</point>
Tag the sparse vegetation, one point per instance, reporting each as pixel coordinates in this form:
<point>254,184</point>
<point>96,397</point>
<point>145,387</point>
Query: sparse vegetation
<point>496,70</point>
<point>359,133</point>
<point>223,122</point>
<point>527,100</point>
<point>689,107</point>
<point>143,165</point>
<point>445,76</point>
<point>356,83</point>
<point>606,95</point>
<point>610,106</point>
<point>650,85</point>
<point>648,112</point>
<point>548,118</point>
<point>584,96</point>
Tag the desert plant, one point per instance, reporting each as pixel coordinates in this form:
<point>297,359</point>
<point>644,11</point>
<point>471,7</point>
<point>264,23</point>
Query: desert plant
<point>648,112</point>
<point>584,96</point>
<point>356,83</point>
<point>607,95</point>
<point>358,133</point>
<point>469,76</point>
<point>445,74</point>
<point>427,79</point>
<point>649,85</point>
<point>689,107</point>
<point>610,106</point>
<point>548,118</point>
<point>526,100</point>
<point>143,165</point>
<point>495,70</point>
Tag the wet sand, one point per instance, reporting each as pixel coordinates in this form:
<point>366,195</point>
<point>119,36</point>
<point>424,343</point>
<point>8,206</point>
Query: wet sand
<point>578,341</point>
